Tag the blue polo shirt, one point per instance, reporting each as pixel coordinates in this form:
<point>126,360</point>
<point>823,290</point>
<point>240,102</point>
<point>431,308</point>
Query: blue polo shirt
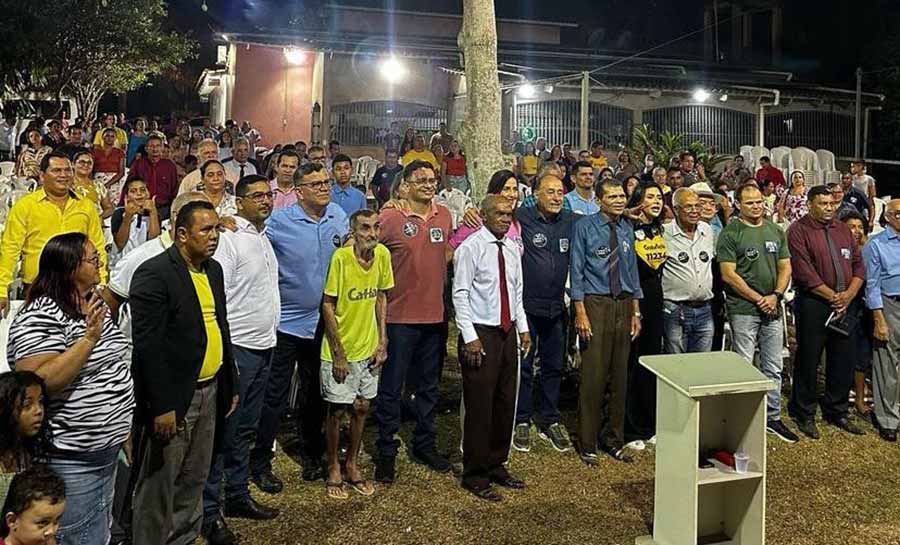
<point>545,260</point>
<point>580,205</point>
<point>881,256</point>
<point>303,248</point>
<point>348,198</point>
<point>590,257</point>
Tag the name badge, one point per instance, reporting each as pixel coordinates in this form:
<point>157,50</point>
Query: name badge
<point>771,246</point>
<point>539,240</point>
<point>436,234</point>
<point>845,252</point>
<point>563,245</point>
<point>603,252</point>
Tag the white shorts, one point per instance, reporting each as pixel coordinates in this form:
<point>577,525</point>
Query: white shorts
<point>360,382</point>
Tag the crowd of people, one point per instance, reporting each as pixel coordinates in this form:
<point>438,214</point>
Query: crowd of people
<point>154,354</point>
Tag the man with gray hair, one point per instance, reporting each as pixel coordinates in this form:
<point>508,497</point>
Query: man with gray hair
<point>240,164</point>
<point>487,296</point>
<point>687,277</point>
<point>207,150</point>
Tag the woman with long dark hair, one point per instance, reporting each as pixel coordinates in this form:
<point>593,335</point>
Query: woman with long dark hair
<point>87,186</point>
<point>66,335</point>
<point>409,139</point>
<point>24,434</point>
<point>505,184</point>
<point>28,163</point>
<point>650,248</point>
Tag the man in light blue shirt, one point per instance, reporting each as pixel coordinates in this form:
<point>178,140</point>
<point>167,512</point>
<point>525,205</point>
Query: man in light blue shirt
<point>582,200</point>
<point>343,193</point>
<point>881,256</point>
<point>303,236</point>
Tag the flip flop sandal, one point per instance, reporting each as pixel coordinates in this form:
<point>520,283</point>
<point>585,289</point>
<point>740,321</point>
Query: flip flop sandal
<point>362,487</point>
<point>487,494</point>
<point>336,491</point>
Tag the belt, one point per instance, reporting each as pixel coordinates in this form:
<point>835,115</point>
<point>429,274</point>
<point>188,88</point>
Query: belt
<point>691,304</point>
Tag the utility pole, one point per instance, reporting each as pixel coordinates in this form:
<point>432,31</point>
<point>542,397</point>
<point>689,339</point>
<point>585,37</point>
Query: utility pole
<point>585,109</point>
<point>858,134</point>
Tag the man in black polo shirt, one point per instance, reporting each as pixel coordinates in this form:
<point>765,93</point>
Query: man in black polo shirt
<point>855,197</point>
<point>546,232</point>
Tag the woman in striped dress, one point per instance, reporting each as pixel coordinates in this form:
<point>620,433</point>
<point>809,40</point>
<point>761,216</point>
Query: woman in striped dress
<point>65,334</point>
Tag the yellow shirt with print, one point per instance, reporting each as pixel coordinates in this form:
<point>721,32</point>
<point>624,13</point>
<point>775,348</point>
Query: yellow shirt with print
<point>34,220</point>
<point>121,138</point>
<point>599,162</point>
<point>424,155</point>
<point>212,360</point>
<point>356,289</point>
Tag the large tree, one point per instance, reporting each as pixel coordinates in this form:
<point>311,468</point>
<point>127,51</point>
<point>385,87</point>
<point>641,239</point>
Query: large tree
<point>480,131</point>
<point>85,48</point>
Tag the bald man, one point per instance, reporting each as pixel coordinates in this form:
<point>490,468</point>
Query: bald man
<point>881,256</point>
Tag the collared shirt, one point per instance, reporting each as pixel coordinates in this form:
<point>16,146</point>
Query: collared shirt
<point>687,274</point>
<point>530,201</point>
<point>281,197</point>
<point>476,283</point>
<point>580,205</point>
<point>250,271</point>
<point>161,178</point>
<point>590,257</point>
<point>34,220</point>
<point>121,275</point>
<point>545,260</point>
<point>811,260</point>
<point>859,200</point>
<point>418,256</point>
<point>348,198</point>
<point>233,170</point>
<point>882,259</point>
<point>227,206</point>
<point>303,247</point>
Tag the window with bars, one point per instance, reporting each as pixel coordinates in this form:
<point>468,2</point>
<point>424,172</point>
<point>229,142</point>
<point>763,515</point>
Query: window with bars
<point>559,121</point>
<point>720,128</point>
<point>366,123</point>
<point>812,129</point>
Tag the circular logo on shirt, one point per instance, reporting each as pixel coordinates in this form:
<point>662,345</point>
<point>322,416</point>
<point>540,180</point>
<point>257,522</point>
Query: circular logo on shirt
<point>539,240</point>
<point>603,252</point>
<point>410,229</point>
<point>751,253</point>
<point>639,234</point>
<point>704,257</point>
<point>336,240</point>
<point>683,257</point>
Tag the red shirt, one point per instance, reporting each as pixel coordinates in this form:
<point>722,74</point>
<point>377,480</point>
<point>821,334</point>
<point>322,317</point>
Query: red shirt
<point>456,166</point>
<point>104,162</point>
<point>771,173</point>
<point>811,260</point>
<point>418,256</point>
<point>161,178</point>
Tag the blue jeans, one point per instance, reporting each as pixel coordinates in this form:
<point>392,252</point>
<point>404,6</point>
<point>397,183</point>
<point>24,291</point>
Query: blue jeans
<point>767,334</point>
<point>90,482</point>
<point>688,328</point>
<point>416,348</point>
<point>231,460</point>
<point>547,336</point>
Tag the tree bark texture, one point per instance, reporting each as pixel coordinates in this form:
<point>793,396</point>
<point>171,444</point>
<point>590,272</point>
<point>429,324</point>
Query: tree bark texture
<point>480,130</point>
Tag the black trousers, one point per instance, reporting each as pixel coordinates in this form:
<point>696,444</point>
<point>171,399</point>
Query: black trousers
<point>489,396</point>
<point>640,399</point>
<point>305,354</point>
<point>813,337</point>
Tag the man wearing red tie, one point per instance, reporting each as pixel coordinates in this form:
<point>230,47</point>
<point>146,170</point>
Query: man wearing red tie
<point>487,295</point>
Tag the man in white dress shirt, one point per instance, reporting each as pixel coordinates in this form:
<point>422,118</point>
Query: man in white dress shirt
<point>240,164</point>
<point>254,306</point>
<point>487,295</point>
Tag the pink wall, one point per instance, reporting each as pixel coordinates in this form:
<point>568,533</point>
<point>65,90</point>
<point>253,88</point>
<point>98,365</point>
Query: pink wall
<point>276,97</point>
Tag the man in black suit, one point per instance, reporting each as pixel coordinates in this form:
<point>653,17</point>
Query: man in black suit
<point>185,376</point>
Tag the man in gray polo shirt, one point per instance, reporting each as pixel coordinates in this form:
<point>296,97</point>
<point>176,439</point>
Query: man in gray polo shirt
<point>687,277</point>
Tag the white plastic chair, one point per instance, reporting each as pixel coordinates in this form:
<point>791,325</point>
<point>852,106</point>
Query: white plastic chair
<point>781,158</point>
<point>7,168</point>
<point>747,154</point>
<point>757,153</point>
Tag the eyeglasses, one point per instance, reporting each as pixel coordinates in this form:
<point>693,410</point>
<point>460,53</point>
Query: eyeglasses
<point>259,197</point>
<point>690,207</point>
<point>893,214</point>
<point>95,260</point>
<point>427,181</point>
<point>322,184</point>
<point>85,162</point>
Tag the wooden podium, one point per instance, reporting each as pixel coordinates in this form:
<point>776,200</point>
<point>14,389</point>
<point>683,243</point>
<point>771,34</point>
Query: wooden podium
<point>708,401</point>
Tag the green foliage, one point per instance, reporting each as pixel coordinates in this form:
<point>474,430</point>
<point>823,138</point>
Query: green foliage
<point>88,47</point>
<point>666,146</point>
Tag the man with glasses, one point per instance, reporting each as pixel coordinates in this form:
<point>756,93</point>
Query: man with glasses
<point>250,271</point>
<point>828,272</point>
<point>882,259</point>
<point>842,207</point>
<point>304,236</point>
<point>39,216</point>
<point>417,237</point>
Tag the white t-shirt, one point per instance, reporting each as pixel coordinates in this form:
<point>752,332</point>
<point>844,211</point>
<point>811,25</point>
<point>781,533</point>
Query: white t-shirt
<point>862,183</point>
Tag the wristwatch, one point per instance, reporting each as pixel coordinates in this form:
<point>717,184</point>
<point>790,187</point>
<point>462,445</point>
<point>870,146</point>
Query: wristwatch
<point>778,295</point>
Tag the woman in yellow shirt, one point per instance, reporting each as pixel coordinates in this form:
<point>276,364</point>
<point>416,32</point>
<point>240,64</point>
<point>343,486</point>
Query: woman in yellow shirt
<point>528,163</point>
<point>86,186</point>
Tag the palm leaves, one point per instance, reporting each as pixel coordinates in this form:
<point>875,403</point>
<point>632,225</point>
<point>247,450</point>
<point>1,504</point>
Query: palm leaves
<point>666,146</point>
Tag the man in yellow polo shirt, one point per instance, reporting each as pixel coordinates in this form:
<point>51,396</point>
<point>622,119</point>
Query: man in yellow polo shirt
<point>36,218</point>
<point>355,345</point>
<point>419,153</point>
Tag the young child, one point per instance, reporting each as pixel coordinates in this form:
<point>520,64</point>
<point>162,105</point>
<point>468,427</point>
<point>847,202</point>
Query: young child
<point>23,431</point>
<point>36,501</point>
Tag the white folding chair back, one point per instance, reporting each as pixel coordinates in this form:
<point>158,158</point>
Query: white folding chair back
<point>781,158</point>
<point>747,154</point>
<point>759,152</point>
<point>6,168</point>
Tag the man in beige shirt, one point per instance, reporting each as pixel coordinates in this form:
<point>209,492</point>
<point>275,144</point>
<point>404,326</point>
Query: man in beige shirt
<point>207,150</point>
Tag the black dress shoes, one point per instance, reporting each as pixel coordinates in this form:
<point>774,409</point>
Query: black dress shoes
<point>248,508</point>
<point>216,532</point>
<point>268,482</point>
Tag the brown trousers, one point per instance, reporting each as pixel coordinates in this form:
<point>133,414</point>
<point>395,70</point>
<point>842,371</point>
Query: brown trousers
<point>489,394</point>
<point>604,368</point>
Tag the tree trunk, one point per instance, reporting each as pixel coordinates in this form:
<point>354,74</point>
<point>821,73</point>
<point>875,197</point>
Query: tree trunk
<point>87,100</point>
<point>480,131</point>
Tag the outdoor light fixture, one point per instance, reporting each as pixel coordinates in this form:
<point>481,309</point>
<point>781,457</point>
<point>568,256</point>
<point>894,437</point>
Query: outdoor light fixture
<point>527,90</point>
<point>548,89</point>
<point>392,69</point>
<point>294,56</point>
<point>723,97</point>
<point>701,95</point>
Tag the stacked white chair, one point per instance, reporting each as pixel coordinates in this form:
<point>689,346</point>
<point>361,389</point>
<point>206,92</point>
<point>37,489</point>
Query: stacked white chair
<point>781,159</point>
<point>806,161</point>
<point>747,154</point>
<point>7,168</point>
<point>830,173</point>
<point>757,153</point>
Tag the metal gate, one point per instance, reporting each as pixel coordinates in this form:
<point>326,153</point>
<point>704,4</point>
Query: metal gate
<point>812,129</point>
<point>366,123</point>
<point>720,128</point>
<point>559,121</point>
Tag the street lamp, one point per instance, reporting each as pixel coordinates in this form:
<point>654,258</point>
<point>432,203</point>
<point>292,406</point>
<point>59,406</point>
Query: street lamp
<point>294,55</point>
<point>701,95</point>
<point>392,70</point>
<point>527,90</point>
